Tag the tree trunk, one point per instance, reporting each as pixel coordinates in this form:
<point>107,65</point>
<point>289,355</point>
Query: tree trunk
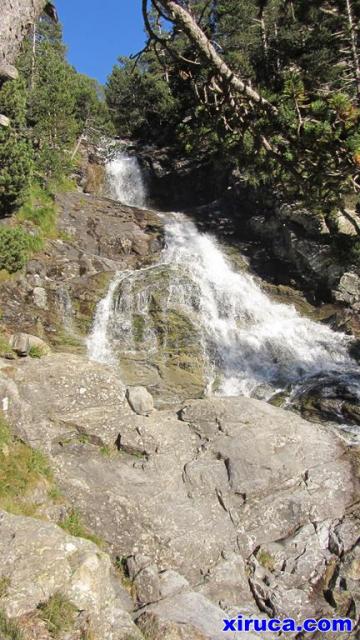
<point>354,47</point>
<point>209,53</point>
<point>33,57</point>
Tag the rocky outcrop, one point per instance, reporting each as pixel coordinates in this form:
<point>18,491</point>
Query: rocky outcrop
<point>16,16</point>
<point>24,344</point>
<point>55,298</point>
<point>253,508</point>
<point>158,344</point>
<point>38,561</point>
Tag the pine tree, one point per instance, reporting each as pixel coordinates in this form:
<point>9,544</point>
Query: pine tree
<point>15,149</point>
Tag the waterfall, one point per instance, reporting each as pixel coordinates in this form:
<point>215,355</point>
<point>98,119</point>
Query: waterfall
<point>252,341</point>
<point>248,344</point>
<point>126,185</point>
<point>125,180</point>
<point>99,341</point>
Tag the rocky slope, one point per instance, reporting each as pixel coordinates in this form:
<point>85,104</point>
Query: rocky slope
<point>56,296</point>
<point>221,505</point>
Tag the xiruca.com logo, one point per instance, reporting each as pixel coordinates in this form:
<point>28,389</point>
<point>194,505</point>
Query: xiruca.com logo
<point>242,624</point>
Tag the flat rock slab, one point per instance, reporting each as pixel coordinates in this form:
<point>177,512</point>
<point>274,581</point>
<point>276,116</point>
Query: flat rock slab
<point>253,505</point>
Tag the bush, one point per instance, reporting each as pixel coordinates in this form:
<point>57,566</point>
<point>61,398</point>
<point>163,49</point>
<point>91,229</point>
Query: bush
<point>14,247</point>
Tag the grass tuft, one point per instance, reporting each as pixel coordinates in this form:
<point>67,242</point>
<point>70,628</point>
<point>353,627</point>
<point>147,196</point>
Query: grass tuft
<point>74,525</point>
<point>4,586</point>
<point>39,209</point>
<point>4,346</point>
<point>8,629</point>
<point>36,352</point>
<point>59,615</point>
<point>265,559</point>
<point>21,469</point>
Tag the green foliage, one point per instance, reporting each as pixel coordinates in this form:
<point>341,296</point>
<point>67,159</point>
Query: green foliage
<point>15,247</point>
<point>15,149</point>
<point>298,55</point>
<point>8,629</point>
<point>21,468</point>
<point>4,350</point>
<point>49,107</point>
<point>36,352</point>
<point>59,615</point>
<point>39,209</point>
<point>139,98</point>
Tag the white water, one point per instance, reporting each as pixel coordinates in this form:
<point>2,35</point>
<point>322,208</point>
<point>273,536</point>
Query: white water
<point>251,340</point>
<point>99,341</point>
<point>252,345</point>
<point>126,185</point>
<point>125,181</point>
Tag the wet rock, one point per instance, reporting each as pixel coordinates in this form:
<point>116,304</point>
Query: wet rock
<point>140,400</point>
<point>95,179</point>
<point>168,357</point>
<point>39,560</point>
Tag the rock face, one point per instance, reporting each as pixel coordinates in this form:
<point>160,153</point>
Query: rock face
<point>226,504</point>
<point>349,289</point>
<point>39,560</point>
<point>15,18</point>
<point>157,343</point>
<point>57,295</point>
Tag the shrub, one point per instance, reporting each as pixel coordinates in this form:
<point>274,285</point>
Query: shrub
<point>14,247</point>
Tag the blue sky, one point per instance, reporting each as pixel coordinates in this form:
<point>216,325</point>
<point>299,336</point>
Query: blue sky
<point>97,32</point>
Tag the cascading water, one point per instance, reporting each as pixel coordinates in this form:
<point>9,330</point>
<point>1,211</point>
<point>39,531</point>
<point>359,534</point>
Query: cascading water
<point>251,340</point>
<point>125,180</point>
<point>248,344</point>
<point>126,185</point>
